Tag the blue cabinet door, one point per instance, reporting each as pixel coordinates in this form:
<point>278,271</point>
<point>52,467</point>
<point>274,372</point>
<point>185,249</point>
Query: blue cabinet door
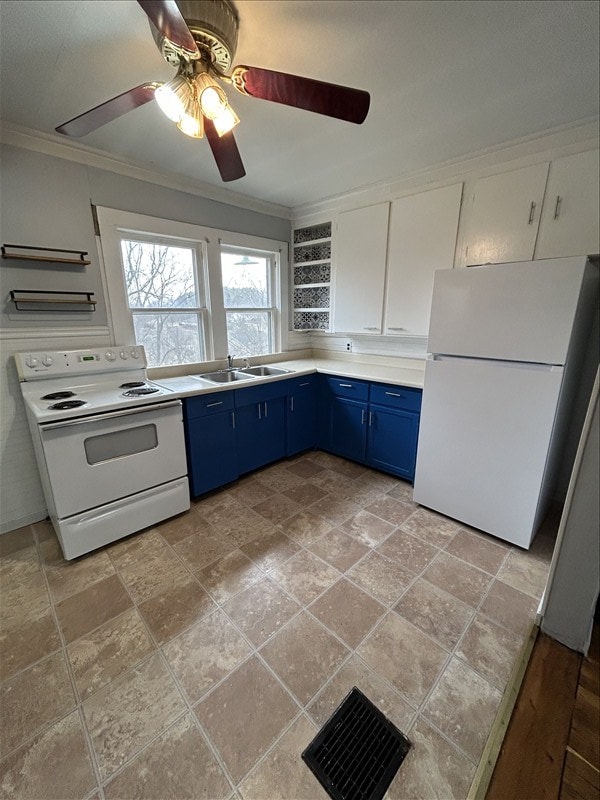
<point>392,440</point>
<point>260,433</point>
<point>211,451</point>
<point>301,414</point>
<point>347,434</point>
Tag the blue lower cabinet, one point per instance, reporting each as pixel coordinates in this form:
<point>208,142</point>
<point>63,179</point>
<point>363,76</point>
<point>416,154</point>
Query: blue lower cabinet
<point>211,445</point>
<point>301,424</point>
<point>392,440</point>
<point>347,434</point>
<point>260,431</point>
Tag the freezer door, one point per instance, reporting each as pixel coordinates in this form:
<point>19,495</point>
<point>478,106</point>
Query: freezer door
<point>522,311</point>
<point>484,438</point>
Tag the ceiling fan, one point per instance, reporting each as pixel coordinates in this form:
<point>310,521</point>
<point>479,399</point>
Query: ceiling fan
<point>199,38</point>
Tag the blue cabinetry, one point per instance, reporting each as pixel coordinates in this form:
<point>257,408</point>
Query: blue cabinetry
<point>260,425</point>
<point>210,441</point>
<point>374,424</point>
<point>301,422</point>
<point>232,432</point>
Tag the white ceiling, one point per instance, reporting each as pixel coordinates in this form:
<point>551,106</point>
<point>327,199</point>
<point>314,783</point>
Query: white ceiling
<point>447,79</point>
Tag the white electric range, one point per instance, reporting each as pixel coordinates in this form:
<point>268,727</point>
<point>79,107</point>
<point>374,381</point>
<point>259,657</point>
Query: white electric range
<point>109,443</point>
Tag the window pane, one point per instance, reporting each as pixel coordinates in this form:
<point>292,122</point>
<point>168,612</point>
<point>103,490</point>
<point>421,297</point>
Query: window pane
<point>248,334</point>
<point>245,281</point>
<point>158,276</point>
<point>169,338</point>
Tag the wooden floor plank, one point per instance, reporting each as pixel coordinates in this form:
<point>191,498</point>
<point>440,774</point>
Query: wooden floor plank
<point>580,779</point>
<point>531,760</point>
<point>584,738</point>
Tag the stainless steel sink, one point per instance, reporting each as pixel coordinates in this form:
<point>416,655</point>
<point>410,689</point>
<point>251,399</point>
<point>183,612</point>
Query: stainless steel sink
<point>225,377</point>
<point>262,372</point>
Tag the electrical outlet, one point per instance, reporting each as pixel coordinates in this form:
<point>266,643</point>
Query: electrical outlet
<point>349,346</point>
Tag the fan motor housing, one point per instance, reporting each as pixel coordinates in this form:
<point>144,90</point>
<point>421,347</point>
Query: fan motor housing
<point>214,26</point>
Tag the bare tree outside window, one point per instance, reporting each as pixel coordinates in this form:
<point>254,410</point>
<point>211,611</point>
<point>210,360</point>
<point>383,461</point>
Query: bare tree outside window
<point>247,297</point>
<point>164,300</point>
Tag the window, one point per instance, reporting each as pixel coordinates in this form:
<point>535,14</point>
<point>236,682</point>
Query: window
<point>189,293</point>
<point>163,295</point>
<point>249,299</point>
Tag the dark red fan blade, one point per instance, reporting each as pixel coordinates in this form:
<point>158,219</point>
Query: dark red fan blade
<point>99,115</point>
<point>341,102</point>
<point>166,17</point>
<point>226,153</point>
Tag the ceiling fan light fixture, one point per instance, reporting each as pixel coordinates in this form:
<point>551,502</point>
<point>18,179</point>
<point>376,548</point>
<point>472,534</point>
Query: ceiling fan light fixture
<point>174,96</point>
<point>213,100</point>
<point>226,121</point>
<point>192,122</point>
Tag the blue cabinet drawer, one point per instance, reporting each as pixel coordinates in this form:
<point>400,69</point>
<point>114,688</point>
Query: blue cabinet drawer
<point>257,394</point>
<point>396,396</point>
<point>347,387</point>
<point>205,404</point>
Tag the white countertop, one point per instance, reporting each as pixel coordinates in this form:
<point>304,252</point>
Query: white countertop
<point>187,385</point>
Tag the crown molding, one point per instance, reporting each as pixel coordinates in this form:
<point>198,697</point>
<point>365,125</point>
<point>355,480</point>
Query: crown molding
<point>51,145</point>
<point>549,144</point>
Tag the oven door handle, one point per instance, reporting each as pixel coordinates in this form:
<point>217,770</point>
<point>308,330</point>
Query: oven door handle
<point>51,426</point>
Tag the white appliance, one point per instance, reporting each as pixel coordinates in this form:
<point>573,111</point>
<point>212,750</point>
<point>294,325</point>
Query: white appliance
<point>507,343</point>
<point>109,443</point>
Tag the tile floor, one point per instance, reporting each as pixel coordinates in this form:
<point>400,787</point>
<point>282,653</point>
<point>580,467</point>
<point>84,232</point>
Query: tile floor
<point>198,658</point>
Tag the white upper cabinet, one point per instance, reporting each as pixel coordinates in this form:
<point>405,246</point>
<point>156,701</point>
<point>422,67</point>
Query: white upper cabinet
<point>360,246</point>
<point>504,215</point>
<point>569,224</point>
<point>422,238</point>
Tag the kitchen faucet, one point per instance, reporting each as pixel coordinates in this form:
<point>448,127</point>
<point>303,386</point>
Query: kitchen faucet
<point>230,362</point>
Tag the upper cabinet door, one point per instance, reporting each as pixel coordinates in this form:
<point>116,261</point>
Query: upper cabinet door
<point>360,247</point>
<point>422,238</point>
<point>504,215</point>
<point>569,225</point>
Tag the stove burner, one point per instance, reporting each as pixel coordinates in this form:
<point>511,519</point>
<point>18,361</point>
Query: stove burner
<point>58,395</point>
<point>141,391</point>
<point>131,384</point>
<point>68,404</point>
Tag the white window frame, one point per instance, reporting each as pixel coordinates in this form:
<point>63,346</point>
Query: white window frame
<point>273,310</point>
<point>200,273</point>
<point>114,225</point>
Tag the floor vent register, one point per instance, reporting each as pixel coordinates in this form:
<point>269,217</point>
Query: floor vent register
<point>357,752</point>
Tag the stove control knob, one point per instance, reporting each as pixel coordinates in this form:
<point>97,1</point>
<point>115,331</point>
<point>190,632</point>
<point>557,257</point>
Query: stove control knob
<point>124,355</point>
<point>47,361</point>
<point>135,352</point>
<point>31,361</point>
<point>110,355</point>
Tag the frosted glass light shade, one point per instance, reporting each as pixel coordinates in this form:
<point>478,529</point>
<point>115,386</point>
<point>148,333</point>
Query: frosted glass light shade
<point>192,121</point>
<point>173,97</point>
<point>226,121</point>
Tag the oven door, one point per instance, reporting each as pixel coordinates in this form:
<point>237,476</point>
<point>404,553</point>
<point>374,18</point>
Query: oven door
<point>96,460</point>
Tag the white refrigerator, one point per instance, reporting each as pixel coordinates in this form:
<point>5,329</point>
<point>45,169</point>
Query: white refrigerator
<point>507,343</point>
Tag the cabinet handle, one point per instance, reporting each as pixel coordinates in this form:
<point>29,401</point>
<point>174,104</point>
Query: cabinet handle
<point>557,206</point>
<point>265,409</point>
<point>396,329</point>
<point>233,420</point>
<point>211,405</point>
<point>292,403</point>
<point>363,417</point>
<point>531,212</point>
<point>305,384</point>
<point>370,329</point>
<point>259,411</point>
<point>371,417</point>
<point>394,394</point>
<point>345,385</point>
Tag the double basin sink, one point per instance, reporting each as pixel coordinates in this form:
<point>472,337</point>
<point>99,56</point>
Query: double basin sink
<point>248,373</point>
